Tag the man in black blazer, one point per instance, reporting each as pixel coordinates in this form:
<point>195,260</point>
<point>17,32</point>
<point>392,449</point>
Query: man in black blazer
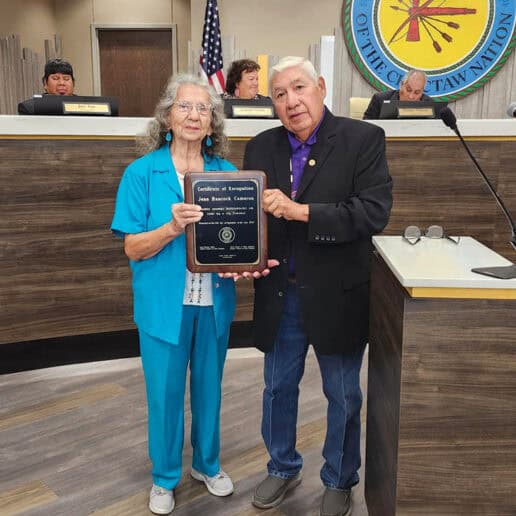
<point>58,79</point>
<point>329,191</point>
<point>411,88</point>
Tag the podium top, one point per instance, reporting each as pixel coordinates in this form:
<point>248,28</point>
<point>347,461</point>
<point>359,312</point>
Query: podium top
<point>440,268</point>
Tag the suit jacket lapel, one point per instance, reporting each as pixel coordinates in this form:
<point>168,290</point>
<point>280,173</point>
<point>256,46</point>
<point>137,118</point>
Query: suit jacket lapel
<point>319,152</point>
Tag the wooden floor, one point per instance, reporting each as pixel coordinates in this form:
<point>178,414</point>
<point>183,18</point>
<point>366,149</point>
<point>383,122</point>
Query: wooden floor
<point>73,441</point>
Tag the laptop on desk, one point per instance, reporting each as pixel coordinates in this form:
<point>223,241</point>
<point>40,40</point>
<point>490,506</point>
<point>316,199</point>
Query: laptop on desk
<point>75,105</point>
<point>403,109</point>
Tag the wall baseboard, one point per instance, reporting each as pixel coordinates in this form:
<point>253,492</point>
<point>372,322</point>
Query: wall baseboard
<point>76,349</point>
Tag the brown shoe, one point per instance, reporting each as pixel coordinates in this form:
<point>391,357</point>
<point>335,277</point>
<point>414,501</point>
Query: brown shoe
<point>271,491</point>
<point>336,502</point>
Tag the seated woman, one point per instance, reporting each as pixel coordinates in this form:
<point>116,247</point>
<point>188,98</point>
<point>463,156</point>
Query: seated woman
<point>242,80</point>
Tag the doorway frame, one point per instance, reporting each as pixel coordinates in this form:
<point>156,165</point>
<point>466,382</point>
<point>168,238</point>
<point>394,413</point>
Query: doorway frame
<point>95,47</point>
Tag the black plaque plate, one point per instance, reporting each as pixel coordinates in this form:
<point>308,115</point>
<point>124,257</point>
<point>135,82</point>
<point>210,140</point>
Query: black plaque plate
<point>232,234</point>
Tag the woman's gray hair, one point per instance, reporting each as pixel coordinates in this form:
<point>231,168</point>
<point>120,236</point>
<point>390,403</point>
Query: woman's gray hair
<point>289,62</point>
<point>157,129</point>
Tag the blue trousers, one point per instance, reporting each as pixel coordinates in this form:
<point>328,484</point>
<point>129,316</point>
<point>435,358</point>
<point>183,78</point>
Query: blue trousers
<point>165,367</point>
<point>283,369</point>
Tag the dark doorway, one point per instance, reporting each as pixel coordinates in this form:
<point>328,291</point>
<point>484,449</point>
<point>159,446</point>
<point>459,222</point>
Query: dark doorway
<point>134,66</point>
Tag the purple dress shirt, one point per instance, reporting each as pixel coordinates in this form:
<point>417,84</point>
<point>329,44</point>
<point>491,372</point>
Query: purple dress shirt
<point>299,152</point>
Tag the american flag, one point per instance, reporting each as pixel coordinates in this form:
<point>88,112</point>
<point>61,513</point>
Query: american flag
<point>211,59</point>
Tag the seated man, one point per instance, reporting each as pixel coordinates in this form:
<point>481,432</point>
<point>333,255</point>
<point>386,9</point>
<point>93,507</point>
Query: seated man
<point>411,88</point>
<point>58,80</point>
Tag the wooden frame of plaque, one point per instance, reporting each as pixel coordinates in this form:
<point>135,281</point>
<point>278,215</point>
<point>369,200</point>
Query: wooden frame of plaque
<point>232,234</point>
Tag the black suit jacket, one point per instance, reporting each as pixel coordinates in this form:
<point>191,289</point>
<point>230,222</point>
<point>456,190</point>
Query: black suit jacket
<point>26,107</point>
<point>348,188</point>
<point>373,109</point>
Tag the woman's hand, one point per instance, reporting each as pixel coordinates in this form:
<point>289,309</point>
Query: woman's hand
<point>184,214</point>
<point>140,246</point>
<point>248,275</point>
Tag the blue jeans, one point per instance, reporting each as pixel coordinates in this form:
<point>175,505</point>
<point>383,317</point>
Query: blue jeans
<point>283,370</point>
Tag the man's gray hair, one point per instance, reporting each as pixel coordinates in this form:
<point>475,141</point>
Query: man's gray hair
<point>289,62</point>
<point>157,129</point>
<point>412,72</point>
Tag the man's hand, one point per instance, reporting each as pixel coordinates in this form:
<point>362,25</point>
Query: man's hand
<point>276,203</point>
<point>251,275</point>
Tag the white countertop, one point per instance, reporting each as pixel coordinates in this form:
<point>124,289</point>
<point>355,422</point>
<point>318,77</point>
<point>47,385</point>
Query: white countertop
<point>439,263</point>
<point>14,125</point>
<point>107,126</point>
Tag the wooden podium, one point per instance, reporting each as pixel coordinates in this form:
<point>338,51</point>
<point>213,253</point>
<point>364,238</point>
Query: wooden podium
<point>441,407</point>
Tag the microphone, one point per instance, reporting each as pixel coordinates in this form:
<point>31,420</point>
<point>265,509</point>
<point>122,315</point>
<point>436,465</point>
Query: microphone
<point>504,272</point>
<point>511,110</point>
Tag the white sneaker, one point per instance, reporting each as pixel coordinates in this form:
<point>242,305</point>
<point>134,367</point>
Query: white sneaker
<point>161,501</point>
<point>219,485</point>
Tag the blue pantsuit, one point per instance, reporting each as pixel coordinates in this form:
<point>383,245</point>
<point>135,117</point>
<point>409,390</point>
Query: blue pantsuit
<point>174,335</point>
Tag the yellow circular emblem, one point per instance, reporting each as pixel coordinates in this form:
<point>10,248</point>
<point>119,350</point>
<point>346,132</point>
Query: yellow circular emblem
<point>444,33</point>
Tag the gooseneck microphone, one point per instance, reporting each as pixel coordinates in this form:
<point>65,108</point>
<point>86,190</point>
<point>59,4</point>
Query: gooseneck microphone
<point>504,272</point>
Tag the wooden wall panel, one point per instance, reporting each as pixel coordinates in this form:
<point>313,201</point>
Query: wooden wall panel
<point>63,273</point>
<point>445,370</point>
<point>458,419</point>
<point>21,70</point>
<point>436,183</point>
<point>384,374</point>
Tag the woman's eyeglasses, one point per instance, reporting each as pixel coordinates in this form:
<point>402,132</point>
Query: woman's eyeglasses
<point>186,107</point>
<point>413,234</point>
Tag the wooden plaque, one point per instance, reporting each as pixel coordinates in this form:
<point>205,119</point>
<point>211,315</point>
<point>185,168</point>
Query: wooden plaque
<point>232,234</point>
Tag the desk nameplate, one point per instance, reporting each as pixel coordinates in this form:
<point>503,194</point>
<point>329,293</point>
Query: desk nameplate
<point>85,108</point>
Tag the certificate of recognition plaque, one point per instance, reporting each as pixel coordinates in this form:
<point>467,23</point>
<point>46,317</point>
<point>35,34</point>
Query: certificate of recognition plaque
<point>232,234</point>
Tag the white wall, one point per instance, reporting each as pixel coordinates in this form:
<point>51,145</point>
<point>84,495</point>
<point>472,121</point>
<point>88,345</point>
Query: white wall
<point>276,27</point>
<point>75,17</point>
<point>37,20</point>
<point>33,20</point>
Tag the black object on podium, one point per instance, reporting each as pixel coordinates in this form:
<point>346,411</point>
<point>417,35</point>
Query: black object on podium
<point>405,109</point>
<point>75,105</point>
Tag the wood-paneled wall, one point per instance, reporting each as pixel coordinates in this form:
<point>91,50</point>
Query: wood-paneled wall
<point>63,273</point>
<point>21,70</point>
<point>441,416</point>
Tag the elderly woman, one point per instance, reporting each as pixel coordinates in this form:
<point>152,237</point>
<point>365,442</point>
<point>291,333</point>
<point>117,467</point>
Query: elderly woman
<point>182,318</point>
<point>242,80</point>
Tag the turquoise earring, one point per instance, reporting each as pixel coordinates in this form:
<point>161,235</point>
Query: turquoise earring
<point>209,143</point>
<point>168,137</point>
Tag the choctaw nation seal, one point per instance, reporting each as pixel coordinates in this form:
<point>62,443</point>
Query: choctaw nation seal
<point>460,44</point>
<point>226,235</point>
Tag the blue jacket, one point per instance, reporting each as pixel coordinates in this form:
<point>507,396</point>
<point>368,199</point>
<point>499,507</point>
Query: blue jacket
<point>146,192</point>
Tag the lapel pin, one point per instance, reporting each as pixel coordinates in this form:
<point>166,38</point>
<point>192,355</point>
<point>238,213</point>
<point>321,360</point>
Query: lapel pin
<point>311,162</point>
